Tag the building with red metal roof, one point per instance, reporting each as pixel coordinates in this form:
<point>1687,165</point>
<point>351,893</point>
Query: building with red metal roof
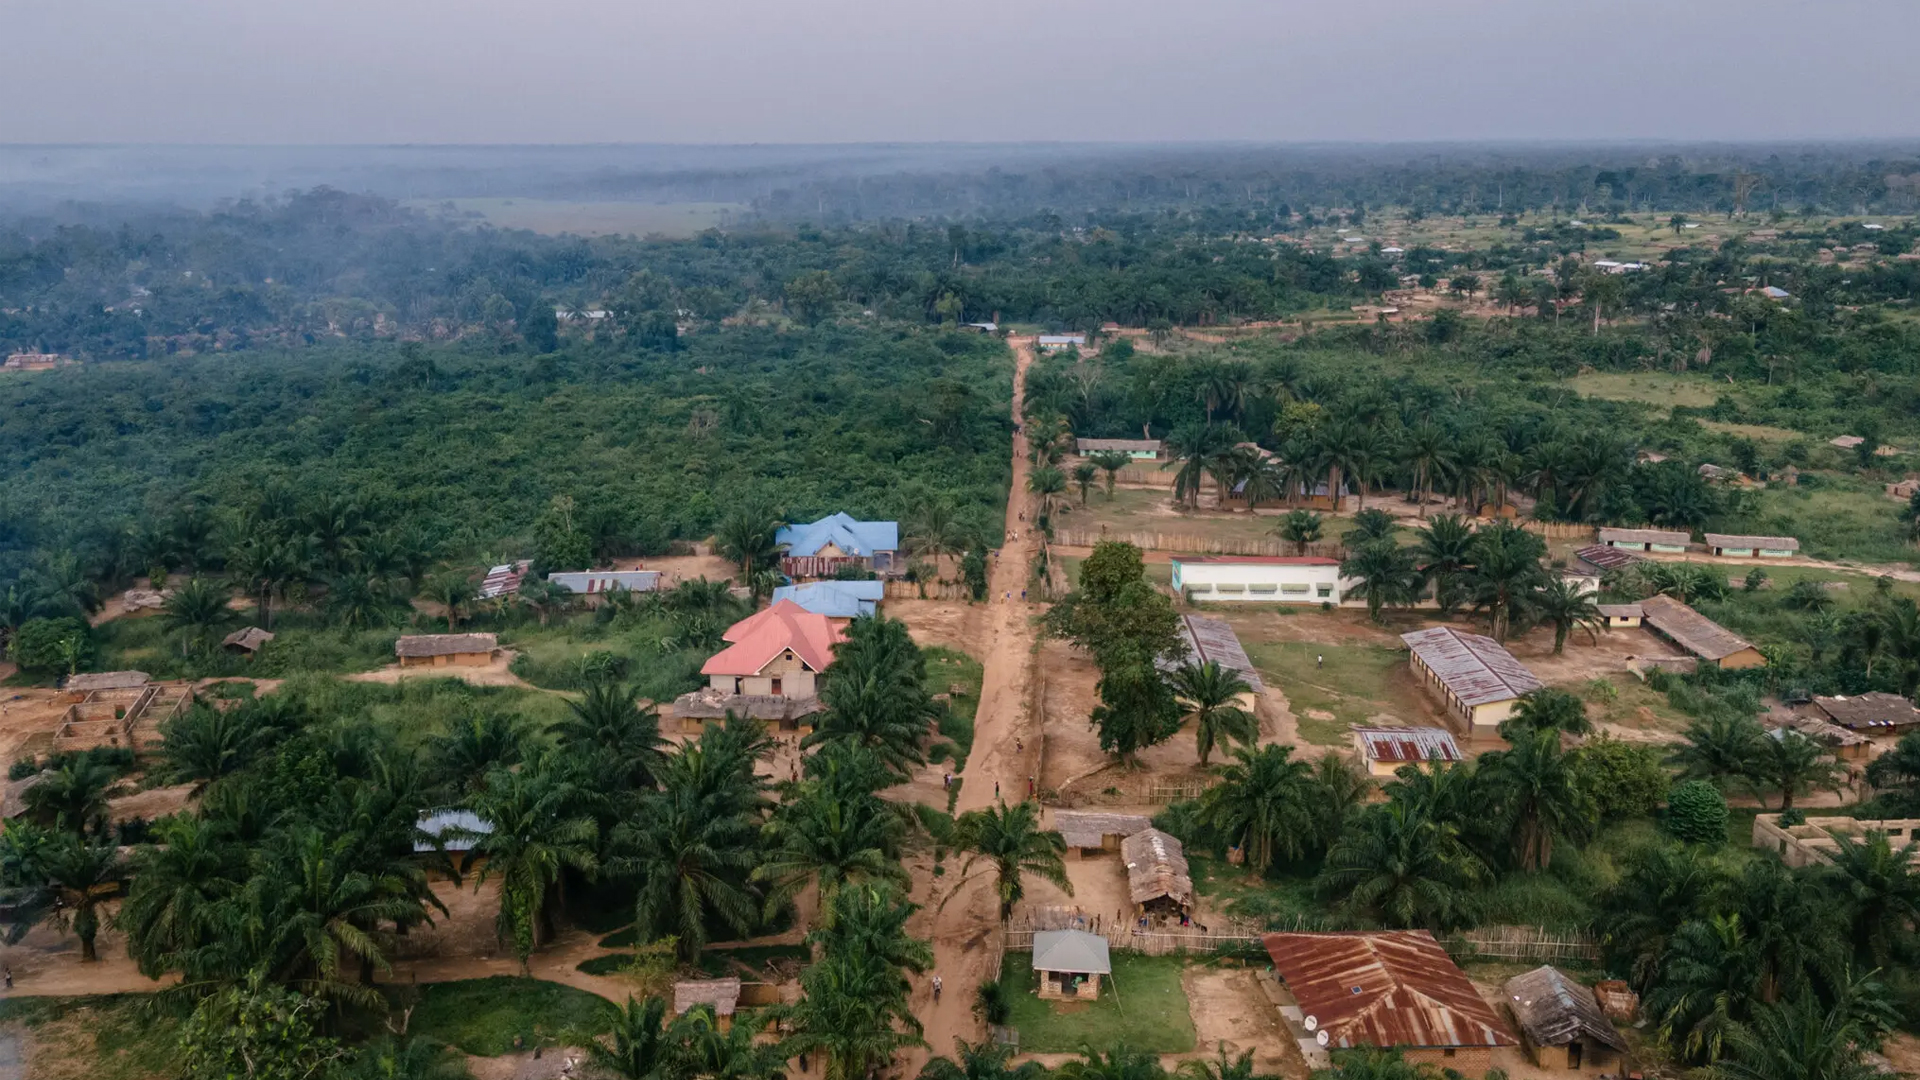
<point>1391,989</point>
<point>1385,749</point>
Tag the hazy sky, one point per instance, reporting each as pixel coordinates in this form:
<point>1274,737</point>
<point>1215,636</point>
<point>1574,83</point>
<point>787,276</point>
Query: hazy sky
<point>491,71</point>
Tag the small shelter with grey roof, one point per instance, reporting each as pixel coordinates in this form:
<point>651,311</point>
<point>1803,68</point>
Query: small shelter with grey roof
<point>1069,963</point>
<point>1561,1022</point>
<point>89,682</point>
<point>1089,832</point>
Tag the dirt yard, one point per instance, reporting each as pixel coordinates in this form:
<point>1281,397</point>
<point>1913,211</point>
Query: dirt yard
<point>28,719</point>
<point>493,674</point>
<point>1230,1010</point>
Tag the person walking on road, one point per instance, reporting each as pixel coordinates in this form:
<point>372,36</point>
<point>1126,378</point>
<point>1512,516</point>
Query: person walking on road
<point>936,989</point>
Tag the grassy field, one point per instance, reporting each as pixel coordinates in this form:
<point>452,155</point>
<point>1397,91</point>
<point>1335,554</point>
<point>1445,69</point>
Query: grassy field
<point>1355,685</point>
<point>482,1016</point>
<point>1143,1006</point>
<point>1147,510</point>
<point>98,1038</point>
<point>672,220</point>
<point>1839,519</point>
<point>950,667</point>
<point>1654,388</point>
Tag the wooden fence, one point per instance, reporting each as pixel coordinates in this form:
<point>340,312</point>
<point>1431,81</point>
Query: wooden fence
<point>1193,544</point>
<point>927,590</point>
<point>1559,530</point>
<point>1524,943</point>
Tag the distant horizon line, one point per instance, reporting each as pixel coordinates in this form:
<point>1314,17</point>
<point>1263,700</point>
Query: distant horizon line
<point>961,144</point>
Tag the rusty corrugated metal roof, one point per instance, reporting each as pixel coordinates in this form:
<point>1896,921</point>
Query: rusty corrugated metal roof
<point>1476,668</point>
<point>1393,988</point>
<point>1407,744</point>
<point>1607,558</point>
<point>1691,630</point>
<point>1213,639</point>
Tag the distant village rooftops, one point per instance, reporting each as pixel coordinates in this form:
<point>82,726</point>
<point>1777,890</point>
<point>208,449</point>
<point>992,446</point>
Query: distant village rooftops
<point>1407,745</point>
<point>843,532</point>
<point>1693,631</point>
<point>503,580</point>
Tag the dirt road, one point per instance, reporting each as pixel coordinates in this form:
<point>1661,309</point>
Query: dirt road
<point>1005,748</point>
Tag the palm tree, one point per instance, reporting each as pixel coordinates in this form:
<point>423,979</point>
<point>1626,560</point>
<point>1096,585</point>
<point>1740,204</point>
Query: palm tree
<point>1708,984</point>
<point>868,925</point>
<point>1427,453</point>
<point>692,858</point>
<point>1342,448</point>
<point>316,909</point>
<point>1221,1068</point>
<point>73,797</point>
<point>1444,550</point>
<point>733,1053</point>
<point>1370,526</point>
<point>933,530</point>
<point>454,592</point>
<point>1567,607</point>
<point>1046,483</point>
<point>1122,1062</point>
<point>1796,1040</point>
<point>854,1014</point>
<point>1083,476</point>
<point>746,536</point>
<point>1386,574</point>
<point>1720,748</point>
<point>1009,841</point>
<point>608,724</point>
<point>179,882</point>
<point>203,744</point>
<point>82,877</point>
<point>1403,868</point>
<point>1505,575</point>
<point>1210,693</point>
<point>1110,462</point>
<point>1535,785</point>
<point>472,749</point>
<point>1792,763</point>
<point>644,1044</point>
<point>534,833</point>
<point>1663,888</point>
<point>197,612</point>
<point>982,1061</point>
<point>1882,891</point>
<point>1263,805</point>
<point>1258,476</point>
<point>1546,709</point>
<point>830,838</point>
<point>1193,451</point>
<point>1300,528</point>
<point>876,696</point>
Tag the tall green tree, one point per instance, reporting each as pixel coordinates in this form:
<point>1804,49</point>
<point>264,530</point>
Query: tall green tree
<point>1263,805</point>
<point>1209,693</point>
<point>1007,841</point>
<point>536,831</point>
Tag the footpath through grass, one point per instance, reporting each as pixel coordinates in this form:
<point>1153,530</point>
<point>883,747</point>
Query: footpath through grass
<point>1143,1005</point>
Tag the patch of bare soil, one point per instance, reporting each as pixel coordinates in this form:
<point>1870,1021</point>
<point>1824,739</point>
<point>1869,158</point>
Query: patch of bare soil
<point>1584,658</point>
<point>1229,1009</point>
<point>1099,891</point>
<point>678,568</point>
<point>493,674</point>
<point>151,804</point>
<point>46,963</point>
<point>949,624</point>
<point>28,719</point>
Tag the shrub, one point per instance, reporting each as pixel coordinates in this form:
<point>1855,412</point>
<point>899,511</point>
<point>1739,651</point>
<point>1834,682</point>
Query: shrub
<point>52,646</point>
<point>1623,779</point>
<point>1697,813</point>
<point>23,768</point>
